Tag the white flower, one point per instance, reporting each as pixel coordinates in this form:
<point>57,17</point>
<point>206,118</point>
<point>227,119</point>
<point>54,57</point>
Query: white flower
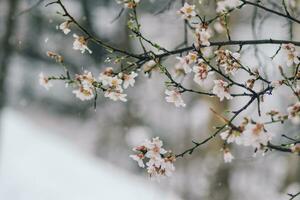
<point>294,113</point>
<point>231,136</point>
<point>65,27</point>
<point>84,93</point>
<point>155,148</point>
<point>228,157</point>
<point>105,77</point>
<point>129,79</point>
<point>86,88</point>
<point>44,81</point>
<point>183,64</point>
<point>201,71</point>
<point>187,11</point>
<point>115,83</point>
<point>255,135</point>
<point>80,43</point>
<point>139,159</point>
<point>174,96</point>
<point>221,90</point>
<point>202,36</point>
<point>115,95</point>
<point>228,60</point>
<point>292,54</point>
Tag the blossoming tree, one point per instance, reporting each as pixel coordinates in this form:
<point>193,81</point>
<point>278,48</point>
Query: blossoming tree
<point>222,67</point>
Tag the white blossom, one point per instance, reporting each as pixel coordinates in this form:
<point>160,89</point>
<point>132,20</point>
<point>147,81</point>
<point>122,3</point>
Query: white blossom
<point>228,60</point>
<point>84,93</point>
<point>44,81</point>
<point>174,96</point>
<point>105,77</point>
<point>159,162</point>
<point>65,27</point>
<point>231,136</point>
<point>129,79</point>
<point>221,90</point>
<point>201,71</point>
<point>202,36</point>
<point>228,157</point>
<point>256,135</point>
<point>80,43</point>
<point>129,3</point>
<point>115,83</point>
<point>85,89</point>
<point>187,11</point>
<point>115,95</point>
<point>139,159</point>
<point>294,113</point>
<point>292,54</point>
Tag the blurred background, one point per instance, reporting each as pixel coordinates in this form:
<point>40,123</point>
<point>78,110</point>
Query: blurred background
<point>54,146</point>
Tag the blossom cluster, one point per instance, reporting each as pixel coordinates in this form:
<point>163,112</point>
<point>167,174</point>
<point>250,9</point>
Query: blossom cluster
<point>155,158</point>
<point>292,54</point>
<point>86,84</point>
<point>228,60</point>
<point>248,134</point>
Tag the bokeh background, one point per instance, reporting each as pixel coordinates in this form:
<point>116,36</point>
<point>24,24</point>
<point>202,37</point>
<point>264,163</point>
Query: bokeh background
<point>53,146</point>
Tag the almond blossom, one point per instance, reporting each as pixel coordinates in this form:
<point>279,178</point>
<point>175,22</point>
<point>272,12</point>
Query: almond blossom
<point>44,81</point>
<point>174,96</point>
<point>255,135</point>
<point>228,60</point>
<point>292,54</point>
<point>159,162</point>
<point>129,79</point>
<point>187,11</point>
<point>86,89</point>
<point>221,90</point>
<point>84,94</point>
<point>105,77</point>
<point>115,83</point>
<point>201,70</point>
<point>185,62</point>
<point>231,136</point>
<point>202,36</point>
<point>115,95</point>
<point>228,157</point>
<point>65,27</point>
<point>80,43</point>
<point>294,113</point>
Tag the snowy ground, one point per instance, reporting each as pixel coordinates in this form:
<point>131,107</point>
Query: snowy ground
<point>36,166</point>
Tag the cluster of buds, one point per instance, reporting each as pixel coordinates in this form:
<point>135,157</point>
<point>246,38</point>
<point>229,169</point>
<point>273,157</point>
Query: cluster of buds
<point>292,54</point>
<point>158,162</point>
<point>55,56</point>
<point>228,60</point>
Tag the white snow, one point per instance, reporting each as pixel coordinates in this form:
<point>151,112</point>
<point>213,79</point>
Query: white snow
<point>38,165</point>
